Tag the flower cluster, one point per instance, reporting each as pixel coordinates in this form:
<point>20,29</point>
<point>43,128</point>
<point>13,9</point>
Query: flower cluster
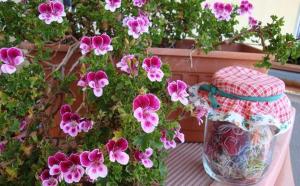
<point>95,80</point>
<point>152,65</point>
<point>222,11</point>
<point>11,58</point>
<point>71,123</point>
<point>145,107</point>
<point>128,64</point>
<point>51,11</point>
<point>139,3</point>
<point>116,150</point>
<point>112,5</point>
<point>100,44</point>
<point>245,7</point>
<point>171,143</point>
<point>137,25</point>
<point>71,169</point>
<point>144,157</point>
<point>252,22</point>
<point>178,91</point>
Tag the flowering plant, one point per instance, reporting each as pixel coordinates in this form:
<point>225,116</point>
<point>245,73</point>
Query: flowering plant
<point>107,96</point>
<point>112,102</point>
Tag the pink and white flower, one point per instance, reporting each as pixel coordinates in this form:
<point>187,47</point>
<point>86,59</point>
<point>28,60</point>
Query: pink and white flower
<point>139,3</point>
<point>178,135</point>
<point>97,81</point>
<point>86,45</point>
<point>70,123</point>
<point>71,169</point>
<point>145,107</point>
<point>47,179</point>
<point>128,64</point>
<point>152,66</point>
<point>116,150</point>
<point>178,91</point>
<point>85,125</point>
<point>112,5</point>
<point>171,143</point>
<point>137,25</point>
<point>144,157</point>
<point>94,163</point>
<point>53,164</point>
<point>168,144</point>
<point>83,82</point>
<point>245,7</point>
<point>11,58</point>
<point>252,22</point>
<point>101,44</point>
<point>200,112</point>
<point>51,11</point>
<point>222,11</point>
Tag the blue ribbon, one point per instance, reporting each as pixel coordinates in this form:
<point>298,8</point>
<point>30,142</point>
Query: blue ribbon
<point>213,91</point>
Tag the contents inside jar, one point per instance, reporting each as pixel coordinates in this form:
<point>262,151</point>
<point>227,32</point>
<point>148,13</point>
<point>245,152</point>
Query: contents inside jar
<point>236,155</point>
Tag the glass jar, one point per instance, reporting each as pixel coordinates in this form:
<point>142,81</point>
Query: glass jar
<point>235,155</point>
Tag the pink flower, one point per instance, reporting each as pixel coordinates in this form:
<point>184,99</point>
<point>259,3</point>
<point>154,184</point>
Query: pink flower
<point>252,22</point>
<point>11,57</point>
<point>145,107</point>
<point>97,81</point>
<point>116,150</point>
<point>65,108</point>
<point>83,82</point>
<point>71,169</point>
<point>51,11</point>
<point>179,135</point>
<point>86,45</point>
<point>144,157</point>
<point>128,64</point>
<point>171,143</point>
<point>222,11</point>
<point>200,112</point>
<point>85,125</point>
<point>245,7</point>
<point>93,161</point>
<point>177,91</point>
<point>70,123</point>
<point>137,25</point>
<point>53,164</point>
<point>168,144</point>
<point>47,179</point>
<point>101,44</point>
<point>152,66</point>
<point>139,3</point>
<point>112,5</point>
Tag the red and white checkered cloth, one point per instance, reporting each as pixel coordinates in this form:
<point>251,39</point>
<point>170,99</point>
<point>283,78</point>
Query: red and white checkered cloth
<point>248,82</point>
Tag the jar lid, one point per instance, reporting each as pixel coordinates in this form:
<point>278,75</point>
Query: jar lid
<point>238,83</point>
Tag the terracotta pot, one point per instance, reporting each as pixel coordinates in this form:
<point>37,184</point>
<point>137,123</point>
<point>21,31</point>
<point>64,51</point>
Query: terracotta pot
<point>194,66</point>
<point>58,54</point>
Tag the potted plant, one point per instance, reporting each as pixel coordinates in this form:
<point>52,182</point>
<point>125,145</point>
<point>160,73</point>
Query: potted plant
<point>80,70</point>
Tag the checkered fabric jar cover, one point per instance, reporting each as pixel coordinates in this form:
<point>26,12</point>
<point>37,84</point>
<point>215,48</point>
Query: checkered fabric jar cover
<point>248,82</point>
